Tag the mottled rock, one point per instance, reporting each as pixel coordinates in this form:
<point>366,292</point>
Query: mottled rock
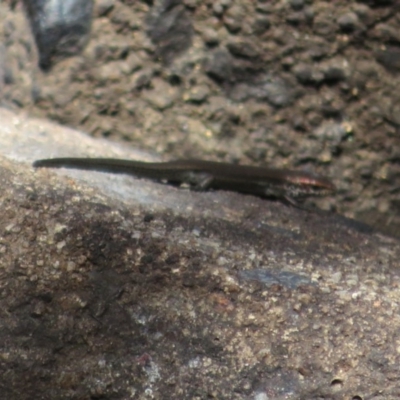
<point>170,29</point>
<point>261,25</point>
<point>103,7</point>
<point>348,22</point>
<point>250,298</point>
<point>161,96</point>
<point>210,36</point>
<point>243,48</point>
<point>197,94</point>
<point>335,71</point>
<point>233,19</point>
<point>274,90</point>
<point>61,28</point>
<point>219,65</point>
<point>308,74</point>
<point>389,57</point>
<point>333,132</point>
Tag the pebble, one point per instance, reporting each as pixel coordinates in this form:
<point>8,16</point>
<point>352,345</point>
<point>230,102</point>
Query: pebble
<point>197,94</point>
<point>243,48</point>
<point>275,91</point>
<point>389,57</point>
<point>162,95</point>
<point>308,74</point>
<point>210,36</point>
<point>261,25</point>
<point>296,4</point>
<point>219,65</point>
<point>233,19</point>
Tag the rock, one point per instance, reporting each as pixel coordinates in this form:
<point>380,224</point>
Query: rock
<point>243,48</point>
<point>274,90</point>
<point>103,7</point>
<point>389,57</point>
<point>103,272</point>
<point>197,94</point>
<point>261,25</point>
<point>124,274</point>
<point>348,22</point>
<point>170,29</point>
<point>219,65</point>
<point>233,19</point>
<point>161,96</point>
<point>61,27</point>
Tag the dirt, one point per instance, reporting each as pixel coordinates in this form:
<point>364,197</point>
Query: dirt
<point>290,83</point>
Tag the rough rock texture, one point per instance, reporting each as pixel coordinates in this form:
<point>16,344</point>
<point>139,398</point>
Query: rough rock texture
<point>299,83</point>
<point>115,288</point>
<point>60,28</point>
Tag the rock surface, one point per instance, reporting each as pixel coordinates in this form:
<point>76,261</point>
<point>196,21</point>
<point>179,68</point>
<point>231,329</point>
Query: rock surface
<point>60,28</point>
<point>115,287</point>
<point>273,75</point>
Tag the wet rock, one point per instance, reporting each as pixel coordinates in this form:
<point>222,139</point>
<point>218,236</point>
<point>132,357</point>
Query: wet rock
<point>210,36</point>
<point>386,33</point>
<point>332,132</point>
<point>220,6</point>
<point>2,68</point>
<point>335,71</point>
<point>60,27</point>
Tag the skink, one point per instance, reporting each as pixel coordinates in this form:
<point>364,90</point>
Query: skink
<point>203,175</point>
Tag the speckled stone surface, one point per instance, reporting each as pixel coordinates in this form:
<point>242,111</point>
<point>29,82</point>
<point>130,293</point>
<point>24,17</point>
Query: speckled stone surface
<point>115,287</point>
<point>290,83</point>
